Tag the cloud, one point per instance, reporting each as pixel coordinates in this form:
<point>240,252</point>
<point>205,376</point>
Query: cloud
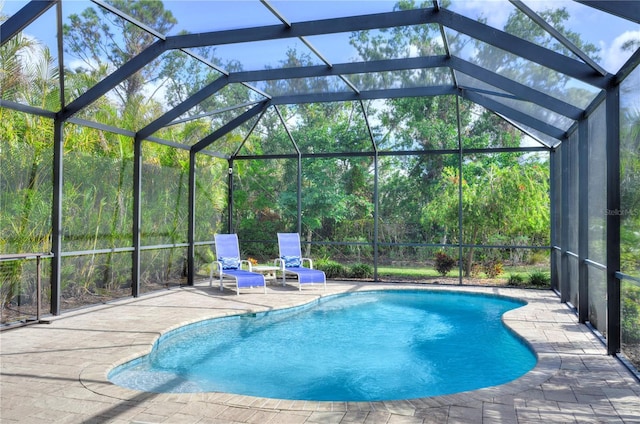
<point>614,56</point>
<point>496,13</point>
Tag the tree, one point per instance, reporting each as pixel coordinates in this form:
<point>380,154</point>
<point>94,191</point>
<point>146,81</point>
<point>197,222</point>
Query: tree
<point>328,202</point>
<point>422,124</point>
<point>25,153</point>
<point>105,42</point>
<point>630,176</point>
<point>497,202</point>
<point>15,75</point>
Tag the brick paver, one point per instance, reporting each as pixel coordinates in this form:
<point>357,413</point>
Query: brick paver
<point>57,372</point>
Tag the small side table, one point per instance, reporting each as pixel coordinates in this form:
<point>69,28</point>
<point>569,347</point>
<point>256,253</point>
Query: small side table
<point>268,271</point>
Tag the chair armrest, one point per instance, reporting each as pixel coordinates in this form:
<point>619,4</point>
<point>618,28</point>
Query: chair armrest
<point>279,262</point>
<point>247,262</point>
<point>308,260</point>
<point>215,266</point>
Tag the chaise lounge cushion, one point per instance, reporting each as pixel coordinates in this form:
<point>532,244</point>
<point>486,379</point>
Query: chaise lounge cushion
<point>291,261</point>
<point>229,263</point>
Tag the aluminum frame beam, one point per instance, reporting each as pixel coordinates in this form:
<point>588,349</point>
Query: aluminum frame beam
<point>522,91</point>
<point>213,112</point>
<point>32,110</point>
<point>628,67</point>
<point>525,49</point>
<point>364,95</point>
<point>500,39</point>
<point>558,36</point>
<point>613,221</point>
<point>307,28</point>
<point>230,126</point>
<point>23,17</point>
<point>183,107</point>
<point>583,221</point>
<point>307,43</point>
<point>516,115</point>
<point>107,84</point>
<point>624,9</point>
<point>387,153</point>
<point>337,69</point>
<point>56,217</point>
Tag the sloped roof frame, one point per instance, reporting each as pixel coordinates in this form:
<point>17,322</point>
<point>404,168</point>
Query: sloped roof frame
<point>477,30</point>
<point>22,18</point>
<point>558,36</point>
<point>579,70</point>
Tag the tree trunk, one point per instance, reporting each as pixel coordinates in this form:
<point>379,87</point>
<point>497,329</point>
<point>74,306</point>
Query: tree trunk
<point>307,249</point>
<point>469,264</point>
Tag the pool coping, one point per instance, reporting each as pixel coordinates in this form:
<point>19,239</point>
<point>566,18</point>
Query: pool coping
<point>95,376</point>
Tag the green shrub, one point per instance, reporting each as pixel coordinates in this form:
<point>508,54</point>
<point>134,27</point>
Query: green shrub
<point>332,269</point>
<point>361,271</point>
<point>515,280</point>
<point>630,314</point>
<point>539,279</point>
<point>492,268</point>
<point>444,263</point>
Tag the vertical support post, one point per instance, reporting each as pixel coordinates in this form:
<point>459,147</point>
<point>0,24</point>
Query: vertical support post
<point>613,219</point>
<point>230,197</point>
<point>300,193</point>
<point>553,159</point>
<point>38,288</point>
<point>583,221</point>
<point>375,216</point>
<point>56,216</point>
<point>460,229</point>
<point>137,216</point>
<point>375,192</point>
<point>192,219</point>
<point>60,46</point>
<point>564,233</point>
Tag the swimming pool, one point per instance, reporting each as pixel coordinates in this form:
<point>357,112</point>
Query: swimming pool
<point>366,346</point>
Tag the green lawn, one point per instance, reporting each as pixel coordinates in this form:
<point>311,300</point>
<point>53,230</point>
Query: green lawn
<point>428,272</point>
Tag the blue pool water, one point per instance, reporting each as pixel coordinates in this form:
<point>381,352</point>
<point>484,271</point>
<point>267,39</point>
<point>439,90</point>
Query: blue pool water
<point>370,346</point>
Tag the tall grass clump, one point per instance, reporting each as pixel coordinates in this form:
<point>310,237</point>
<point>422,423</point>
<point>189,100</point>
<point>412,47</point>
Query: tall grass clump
<point>539,279</point>
<point>515,280</point>
<point>332,269</point>
<point>361,271</point>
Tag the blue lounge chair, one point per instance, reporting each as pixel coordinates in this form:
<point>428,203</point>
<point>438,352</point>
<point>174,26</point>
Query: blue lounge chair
<point>291,262</point>
<point>229,265</point>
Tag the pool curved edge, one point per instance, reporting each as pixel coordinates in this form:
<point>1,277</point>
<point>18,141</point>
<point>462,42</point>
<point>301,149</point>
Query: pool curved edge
<point>520,320</point>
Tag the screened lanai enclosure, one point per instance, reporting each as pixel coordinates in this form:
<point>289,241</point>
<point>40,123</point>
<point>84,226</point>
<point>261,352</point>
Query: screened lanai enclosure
<point>446,141</point>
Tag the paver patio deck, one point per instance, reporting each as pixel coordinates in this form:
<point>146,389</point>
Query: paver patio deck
<point>57,372</point>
